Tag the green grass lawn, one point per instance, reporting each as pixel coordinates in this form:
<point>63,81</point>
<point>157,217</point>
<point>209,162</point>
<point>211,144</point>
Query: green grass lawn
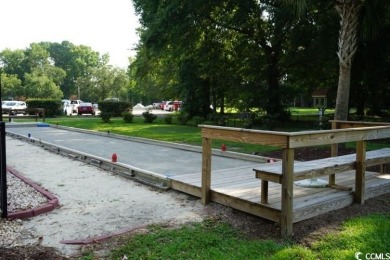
<point>217,240</point>
<point>158,131</point>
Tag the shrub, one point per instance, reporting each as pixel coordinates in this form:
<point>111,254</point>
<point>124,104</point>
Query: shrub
<point>270,122</point>
<point>196,120</point>
<point>149,117</point>
<point>168,119</point>
<point>217,119</point>
<point>127,117</point>
<point>106,116</point>
<point>52,106</point>
<point>116,108</point>
<point>182,117</point>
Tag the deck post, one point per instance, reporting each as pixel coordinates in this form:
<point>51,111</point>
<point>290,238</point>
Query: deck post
<point>206,170</point>
<point>286,216</point>
<point>360,171</point>
<point>264,192</point>
<point>334,151</point>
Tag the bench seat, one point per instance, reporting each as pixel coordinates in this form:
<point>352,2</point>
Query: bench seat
<point>315,168</point>
<point>22,116</point>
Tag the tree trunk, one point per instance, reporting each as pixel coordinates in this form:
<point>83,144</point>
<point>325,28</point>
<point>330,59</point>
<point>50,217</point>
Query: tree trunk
<point>349,14</point>
<point>222,105</point>
<point>342,100</point>
<point>274,106</point>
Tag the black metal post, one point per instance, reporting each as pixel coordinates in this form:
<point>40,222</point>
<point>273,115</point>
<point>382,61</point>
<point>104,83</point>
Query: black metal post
<point>1,97</point>
<point>3,164</point>
<point>3,173</point>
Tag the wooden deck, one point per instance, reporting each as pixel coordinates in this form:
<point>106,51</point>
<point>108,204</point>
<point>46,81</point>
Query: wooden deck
<point>296,204</point>
<point>238,188</point>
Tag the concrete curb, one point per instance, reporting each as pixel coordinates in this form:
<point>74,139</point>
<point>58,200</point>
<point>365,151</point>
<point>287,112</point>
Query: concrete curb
<point>49,206</point>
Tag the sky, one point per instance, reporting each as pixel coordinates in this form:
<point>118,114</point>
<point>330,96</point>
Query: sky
<point>107,26</point>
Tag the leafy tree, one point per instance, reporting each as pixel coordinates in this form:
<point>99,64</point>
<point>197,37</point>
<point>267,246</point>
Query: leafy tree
<point>310,60</point>
<point>40,78</point>
<point>62,64</point>
<point>120,84</point>
<point>152,75</point>
<point>36,56</point>
<point>38,85</point>
<point>350,12</point>
<point>225,39</point>
<point>195,89</point>
<point>13,62</point>
<point>370,80</point>
<point>75,60</point>
<point>103,82</point>
<point>10,84</point>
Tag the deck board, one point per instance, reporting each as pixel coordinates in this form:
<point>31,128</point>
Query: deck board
<point>234,186</point>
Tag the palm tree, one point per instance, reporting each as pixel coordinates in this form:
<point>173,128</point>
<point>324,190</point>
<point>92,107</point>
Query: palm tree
<point>349,12</point>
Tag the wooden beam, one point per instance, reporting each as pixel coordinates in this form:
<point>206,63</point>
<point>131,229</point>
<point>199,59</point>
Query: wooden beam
<point>325,137</point>
<point>278,139</point>
<point>353,124</point>
<point>360,171</point>
<point>206,170</point>
<point>286,216</point>
<point>186,188</point>
<point>256,209</point>
<point>296,139</point>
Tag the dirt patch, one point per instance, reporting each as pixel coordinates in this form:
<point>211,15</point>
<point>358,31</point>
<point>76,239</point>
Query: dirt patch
<point>30,253</point>
<point>305,232</point>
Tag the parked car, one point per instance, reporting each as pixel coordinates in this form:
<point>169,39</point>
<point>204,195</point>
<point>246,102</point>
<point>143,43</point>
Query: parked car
<point>177,105</point>
<point>172,105</point>
<point>162,104</point>
<point>96,107</point>
<point>168,106</point>
<point>86,108</point>
<point>156,105</point>
<point>11,105</point>
<point>75,104</point>
<point>112,99</point>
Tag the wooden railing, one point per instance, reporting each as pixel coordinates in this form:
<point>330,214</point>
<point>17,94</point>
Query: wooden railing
<point>288,141</point>
<point>342,124</point>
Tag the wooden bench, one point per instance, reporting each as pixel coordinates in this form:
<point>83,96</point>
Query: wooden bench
<point>316,168</point>
<point>25,113</point>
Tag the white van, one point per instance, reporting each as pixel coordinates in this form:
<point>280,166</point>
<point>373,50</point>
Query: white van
<point>11,105</point>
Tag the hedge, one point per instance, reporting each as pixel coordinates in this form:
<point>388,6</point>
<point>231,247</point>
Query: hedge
<point>52,106</point>
<point>115,108</point>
